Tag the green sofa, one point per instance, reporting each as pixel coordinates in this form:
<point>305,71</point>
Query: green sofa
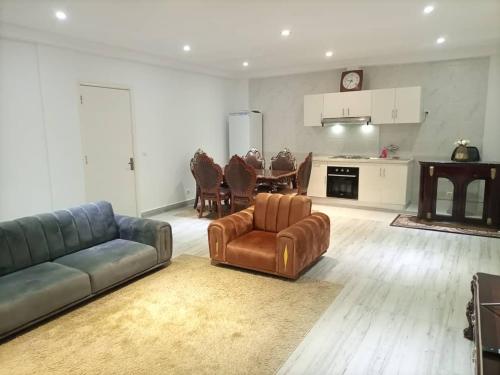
<point>53,261</point>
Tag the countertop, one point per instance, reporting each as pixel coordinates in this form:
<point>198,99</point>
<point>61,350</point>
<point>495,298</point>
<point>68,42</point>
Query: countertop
<point>330,159</point>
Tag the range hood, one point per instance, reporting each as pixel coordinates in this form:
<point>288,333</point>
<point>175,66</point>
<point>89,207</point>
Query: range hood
<point>346,120</point>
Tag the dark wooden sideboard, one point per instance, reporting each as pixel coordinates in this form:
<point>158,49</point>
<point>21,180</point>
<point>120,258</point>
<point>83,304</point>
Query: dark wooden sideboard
<point>460,174</point>
<point>483,314</point>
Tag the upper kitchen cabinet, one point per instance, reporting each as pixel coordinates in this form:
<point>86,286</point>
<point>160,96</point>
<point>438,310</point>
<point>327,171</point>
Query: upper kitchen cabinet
<point>347,104</point>
<point>313,110</point>
<point>333,105</point>
<point>397,106</point>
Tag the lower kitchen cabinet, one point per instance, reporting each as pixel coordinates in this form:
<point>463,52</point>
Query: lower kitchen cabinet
<point>384,184</point>
<point>317,181</point>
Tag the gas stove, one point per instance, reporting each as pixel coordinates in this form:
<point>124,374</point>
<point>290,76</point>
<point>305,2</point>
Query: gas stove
<point>349,157</point>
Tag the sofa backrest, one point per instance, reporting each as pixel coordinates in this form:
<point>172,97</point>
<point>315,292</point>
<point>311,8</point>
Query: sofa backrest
<point>275,212</point>
<point>35,239</point>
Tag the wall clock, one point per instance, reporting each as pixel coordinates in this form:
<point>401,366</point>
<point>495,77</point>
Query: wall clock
<point>351,80</point>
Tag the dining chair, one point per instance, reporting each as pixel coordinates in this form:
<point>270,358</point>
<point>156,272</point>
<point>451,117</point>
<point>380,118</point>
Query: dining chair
<point>241,178</point>
<point>254,159</point>
<point>302,177</point>
<point>209,177</point>
<point>192,163</point>
<point>284,161</point>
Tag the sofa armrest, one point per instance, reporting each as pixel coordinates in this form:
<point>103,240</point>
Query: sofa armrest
<point>301,244</point>
<point>224,230</point>
<point>149,232</point>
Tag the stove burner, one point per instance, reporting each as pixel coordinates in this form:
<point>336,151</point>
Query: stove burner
<point>349,157</point>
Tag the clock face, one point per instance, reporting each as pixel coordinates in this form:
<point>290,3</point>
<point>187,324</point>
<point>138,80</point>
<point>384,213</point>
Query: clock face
<point>351,81</point>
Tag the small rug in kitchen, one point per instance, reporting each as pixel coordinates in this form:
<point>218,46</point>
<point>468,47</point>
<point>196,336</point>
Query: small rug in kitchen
<point>411,221</point>
<point>188,318</point>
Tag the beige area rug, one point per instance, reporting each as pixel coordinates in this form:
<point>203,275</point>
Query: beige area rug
<point>189,318</point>
<point>411,221</point>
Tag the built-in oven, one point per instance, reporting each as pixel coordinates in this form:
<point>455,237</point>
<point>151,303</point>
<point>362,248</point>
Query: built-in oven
<point>342,182</point>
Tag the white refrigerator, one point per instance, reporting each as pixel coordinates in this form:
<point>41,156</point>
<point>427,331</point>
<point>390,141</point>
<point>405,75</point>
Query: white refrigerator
<point>245,132</point>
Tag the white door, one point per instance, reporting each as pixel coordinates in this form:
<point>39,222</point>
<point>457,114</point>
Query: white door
<point>358,103</point>
<point>317,181</point>
<point>313,110</point>
<point>383,106</point>
<point>107,144</point>
<point>333,105</point>
<point>408,105</point>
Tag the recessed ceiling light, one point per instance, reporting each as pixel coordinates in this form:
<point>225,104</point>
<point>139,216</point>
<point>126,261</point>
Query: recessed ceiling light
<point>60,15</point>
<point>187,48</point>
<point>428,9</point>
<point>285,32</point>
<point>245,63</point>
<point>441,40</point>
<point>329,53</point>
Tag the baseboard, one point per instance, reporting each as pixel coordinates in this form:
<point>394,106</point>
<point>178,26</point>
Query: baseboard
<point>347,203</point>
<point>159,210</point>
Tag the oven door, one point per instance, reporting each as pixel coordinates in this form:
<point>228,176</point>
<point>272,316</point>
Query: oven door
<point>342,186</point>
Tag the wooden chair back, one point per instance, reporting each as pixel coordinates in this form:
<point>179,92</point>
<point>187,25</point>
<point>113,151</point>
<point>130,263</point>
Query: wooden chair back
<point>283,161</point>
<point>254,159</point>
<point>240,177</point>
<point>208,175</point>
<point>304,174</point>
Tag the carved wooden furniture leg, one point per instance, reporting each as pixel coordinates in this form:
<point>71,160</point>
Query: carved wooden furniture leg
<point>197,197</point>
<point>202,206</point>
<point>469,331</point>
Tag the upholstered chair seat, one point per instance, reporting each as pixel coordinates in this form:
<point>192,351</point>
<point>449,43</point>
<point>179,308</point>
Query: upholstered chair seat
<point>279,235</point>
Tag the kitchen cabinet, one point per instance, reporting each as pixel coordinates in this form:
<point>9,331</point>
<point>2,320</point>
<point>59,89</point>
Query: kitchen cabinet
<point>333,105</point>
<point>347,104</point>
<point>313,110</point>
<point>397,106</point>
<point>384,184</point>
<point>317,180</point>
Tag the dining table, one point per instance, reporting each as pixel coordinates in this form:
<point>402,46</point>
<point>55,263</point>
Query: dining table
<point>273,177</point>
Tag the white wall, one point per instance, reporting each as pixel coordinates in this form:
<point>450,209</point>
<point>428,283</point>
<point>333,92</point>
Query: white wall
<point>174,113</point>
<point>491,142</point>
<point>24,172</point>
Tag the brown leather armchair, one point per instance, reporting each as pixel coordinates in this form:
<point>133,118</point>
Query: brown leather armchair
<point>279,235</point>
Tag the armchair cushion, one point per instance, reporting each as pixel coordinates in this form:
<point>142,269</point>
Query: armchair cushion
<point>255,250</point>
<point>275,212</point>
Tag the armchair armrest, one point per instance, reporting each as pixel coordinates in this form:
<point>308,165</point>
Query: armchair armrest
<point>301,244</point>
<point>149,232</point>
<point>226,229</point>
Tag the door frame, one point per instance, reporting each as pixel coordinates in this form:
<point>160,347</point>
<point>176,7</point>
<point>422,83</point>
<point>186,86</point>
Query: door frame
<point>133,126</point>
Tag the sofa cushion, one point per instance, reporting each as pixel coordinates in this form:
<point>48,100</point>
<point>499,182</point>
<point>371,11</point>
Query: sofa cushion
<point>33,292</point>
<point>256,249</point>
<point>36,239</point>
<point>275,212</point>
<point>111,262</point>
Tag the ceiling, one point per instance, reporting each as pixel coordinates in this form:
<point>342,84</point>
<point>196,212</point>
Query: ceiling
<point>224,33</point>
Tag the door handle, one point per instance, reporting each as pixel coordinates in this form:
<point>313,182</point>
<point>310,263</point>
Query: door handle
<point>348,111</point>
<point>131,163</point>
<point>343,112</point>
